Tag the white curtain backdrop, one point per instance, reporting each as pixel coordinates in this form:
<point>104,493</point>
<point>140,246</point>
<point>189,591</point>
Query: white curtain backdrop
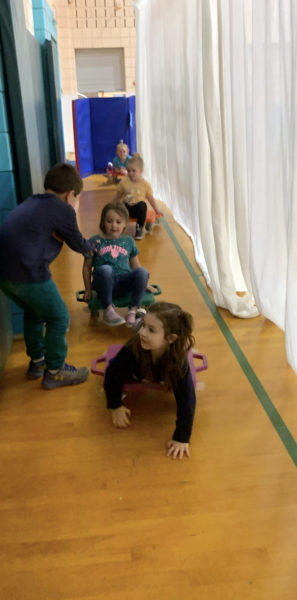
<point>216,118</point>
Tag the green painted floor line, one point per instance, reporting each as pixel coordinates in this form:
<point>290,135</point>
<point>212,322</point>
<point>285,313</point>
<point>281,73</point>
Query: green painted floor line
<point>272,413</point>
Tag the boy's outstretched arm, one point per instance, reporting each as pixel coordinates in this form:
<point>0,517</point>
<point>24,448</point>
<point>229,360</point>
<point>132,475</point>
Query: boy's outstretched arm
<point>67,229</point>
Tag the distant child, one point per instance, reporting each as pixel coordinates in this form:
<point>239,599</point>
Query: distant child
<point>157,353</point>
<point>134,191</point>
<point>119,163</point>
<point>30,239</point>
<point>114,270</point>
<point>121,159</point>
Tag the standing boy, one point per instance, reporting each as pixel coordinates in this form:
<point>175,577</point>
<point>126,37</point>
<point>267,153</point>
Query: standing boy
<point>30,239</point>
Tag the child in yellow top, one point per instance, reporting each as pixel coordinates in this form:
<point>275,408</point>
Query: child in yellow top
<point>134,190</point>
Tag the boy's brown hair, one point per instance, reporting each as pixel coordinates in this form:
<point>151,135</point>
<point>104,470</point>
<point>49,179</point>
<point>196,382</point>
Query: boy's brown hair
<point>135,159</point>
<point>118,207</point>
<point>63,178</point>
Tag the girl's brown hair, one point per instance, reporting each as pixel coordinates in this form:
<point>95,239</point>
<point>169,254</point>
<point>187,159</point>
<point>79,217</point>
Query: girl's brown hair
<point>173,363</point>
<point>118,207</point>
<point>137,160</point>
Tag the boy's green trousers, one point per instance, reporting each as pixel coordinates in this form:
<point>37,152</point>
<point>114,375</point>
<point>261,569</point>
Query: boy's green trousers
<point>46,319</point>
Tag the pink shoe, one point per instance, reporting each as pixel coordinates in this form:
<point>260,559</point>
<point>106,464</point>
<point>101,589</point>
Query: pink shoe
<point>111,317</point>
<point>130,318</point>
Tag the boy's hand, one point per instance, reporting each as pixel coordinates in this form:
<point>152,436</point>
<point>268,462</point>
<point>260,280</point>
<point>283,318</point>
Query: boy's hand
<point>94,249</point>
<point>177,449</point>
<point>120,417</point>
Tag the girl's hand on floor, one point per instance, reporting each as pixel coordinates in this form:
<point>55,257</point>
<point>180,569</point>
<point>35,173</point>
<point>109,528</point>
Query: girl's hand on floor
<point>177,449</point>
<point>120,417</point>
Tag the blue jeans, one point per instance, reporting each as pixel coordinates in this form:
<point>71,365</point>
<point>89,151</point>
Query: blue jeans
<point>109,286</point>
<point>46,319</point>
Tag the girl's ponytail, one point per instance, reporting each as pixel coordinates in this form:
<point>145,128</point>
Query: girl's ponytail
<point>186,328</point>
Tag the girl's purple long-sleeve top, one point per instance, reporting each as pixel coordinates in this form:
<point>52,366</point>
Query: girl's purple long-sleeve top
<point>124,368</point>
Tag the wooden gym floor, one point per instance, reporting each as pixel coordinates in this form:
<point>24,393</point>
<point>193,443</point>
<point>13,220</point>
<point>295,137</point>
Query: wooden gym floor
<point>90,512</point>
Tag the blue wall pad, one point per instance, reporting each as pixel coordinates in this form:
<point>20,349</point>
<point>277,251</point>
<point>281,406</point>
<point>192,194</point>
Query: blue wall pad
<point>99,125</point>
<point>83,136</point>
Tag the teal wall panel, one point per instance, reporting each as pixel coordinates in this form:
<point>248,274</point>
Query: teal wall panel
<point>38,4</point>
<point>45,26</point>
<point>5,153</point>
<point>39,18</point>
<point>2,88</point>
<point>3,115</point>
<point>8,199</point>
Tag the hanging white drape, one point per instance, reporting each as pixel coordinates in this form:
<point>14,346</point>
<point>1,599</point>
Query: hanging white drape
<point>216,119</point>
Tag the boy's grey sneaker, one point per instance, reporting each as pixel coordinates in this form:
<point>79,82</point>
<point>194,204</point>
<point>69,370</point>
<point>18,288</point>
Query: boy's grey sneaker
<point>67,375</point>
<point>139,233</point>
<point>35,369</point>
<point>149,227</point>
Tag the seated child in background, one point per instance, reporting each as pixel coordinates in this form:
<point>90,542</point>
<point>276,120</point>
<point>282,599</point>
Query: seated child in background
<point>119,163</point>
<point>158,352</point>
<point>134,191</point>
<point>116,267</point>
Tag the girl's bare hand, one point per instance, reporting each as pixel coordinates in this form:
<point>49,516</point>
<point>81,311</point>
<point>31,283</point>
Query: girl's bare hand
<point>177,449</point>
<point>87,295</point>
<point>120,417</point>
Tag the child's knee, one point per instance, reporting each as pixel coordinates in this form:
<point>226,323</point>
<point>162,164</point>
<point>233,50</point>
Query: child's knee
<point>105,271</point>
<point>142,273</point>
<point>59,322</point>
